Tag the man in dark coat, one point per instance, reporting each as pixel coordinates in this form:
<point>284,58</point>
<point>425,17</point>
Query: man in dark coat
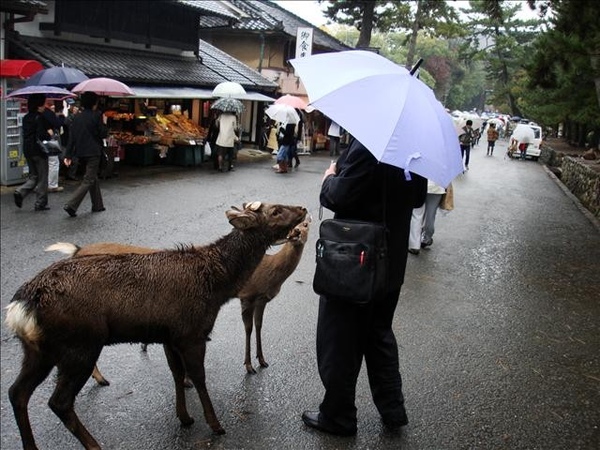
<point>87,132</point>
<point>37,161</point>
<point>358,187</point>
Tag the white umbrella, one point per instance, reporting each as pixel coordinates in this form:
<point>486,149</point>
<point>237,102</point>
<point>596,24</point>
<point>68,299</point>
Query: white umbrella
<point>523,133</point>
<point>283,113</point>
<point>228,89</point>
<point>393,114</point>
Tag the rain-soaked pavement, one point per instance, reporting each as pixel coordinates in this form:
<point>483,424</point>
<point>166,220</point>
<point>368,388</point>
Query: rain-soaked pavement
<point>497,323</point>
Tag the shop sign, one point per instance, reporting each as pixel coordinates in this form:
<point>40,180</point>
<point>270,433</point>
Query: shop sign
<point>304,42</point>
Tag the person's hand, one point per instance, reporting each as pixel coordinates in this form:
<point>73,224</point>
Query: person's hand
<point>67,161</point>
<point>331,170</point>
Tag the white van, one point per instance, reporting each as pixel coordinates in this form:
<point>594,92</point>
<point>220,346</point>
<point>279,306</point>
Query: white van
<point>533,149</point>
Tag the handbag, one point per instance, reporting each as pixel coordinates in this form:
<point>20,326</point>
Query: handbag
<point>447,201</point>
<point>351,260</point>
<point>51,146</point>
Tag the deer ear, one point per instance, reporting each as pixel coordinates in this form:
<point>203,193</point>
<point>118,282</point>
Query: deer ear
<point>240,219</point>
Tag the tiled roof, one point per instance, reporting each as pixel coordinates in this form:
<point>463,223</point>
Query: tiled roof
<point>24,6</point>
<point>211,7</point>
<point>142,67</point>
<point>266,16</point>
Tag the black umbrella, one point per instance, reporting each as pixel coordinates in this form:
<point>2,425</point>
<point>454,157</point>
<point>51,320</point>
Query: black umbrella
<point>57,76</point>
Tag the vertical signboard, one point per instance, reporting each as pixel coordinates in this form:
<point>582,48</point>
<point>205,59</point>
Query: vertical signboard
<point>304,41</point>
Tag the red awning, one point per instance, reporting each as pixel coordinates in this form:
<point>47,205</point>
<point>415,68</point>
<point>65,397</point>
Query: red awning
<point>19,68</point>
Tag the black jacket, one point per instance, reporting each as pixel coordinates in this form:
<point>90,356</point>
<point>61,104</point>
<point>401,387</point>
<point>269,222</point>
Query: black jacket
<point>364,189</point>
<point>86,134</point>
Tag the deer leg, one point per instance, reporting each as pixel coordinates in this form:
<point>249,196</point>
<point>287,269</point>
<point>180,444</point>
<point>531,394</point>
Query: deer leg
<point>247,313</point>
<point>97,375</point>
<point>258,320</point>
<point>34,370</point>
<point>193,358</point>
<point>73,373</point>
<point>178,371</point>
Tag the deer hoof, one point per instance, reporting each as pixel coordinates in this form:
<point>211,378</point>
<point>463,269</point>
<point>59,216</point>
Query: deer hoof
<point>250,369</point>
<point>186,421</point>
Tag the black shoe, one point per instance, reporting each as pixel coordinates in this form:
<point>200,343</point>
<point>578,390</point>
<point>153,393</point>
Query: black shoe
<point>312,419</point>
<point>96,209</point>
<point>70,211</point>
<point>18,199</point>
<point>41,208</point>
<point>426,244</point>
<point>394,423</point>
<point>414,251</point>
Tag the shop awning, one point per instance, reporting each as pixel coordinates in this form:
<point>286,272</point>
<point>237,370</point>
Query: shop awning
<point>19,68</point>
<point>190,93</point>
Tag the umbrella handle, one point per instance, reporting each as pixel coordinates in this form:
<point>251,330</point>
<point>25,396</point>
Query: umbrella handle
<point>416,66</point>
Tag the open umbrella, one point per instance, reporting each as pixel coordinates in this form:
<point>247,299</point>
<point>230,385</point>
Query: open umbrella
<point>291,100</point>
<point>57,76</point>
<point>227,104</point>
<point>51,92</point>
<point>104,86</point>
<point>282,113</point>
<point>523,133</point>
<point>393,114</point>
<point>228,89</point>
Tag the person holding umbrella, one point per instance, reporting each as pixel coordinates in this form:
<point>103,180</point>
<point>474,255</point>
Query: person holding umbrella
<point>88,129</point>
<point>37,160</point>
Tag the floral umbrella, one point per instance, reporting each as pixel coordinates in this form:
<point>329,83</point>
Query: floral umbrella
<point>227,104</point>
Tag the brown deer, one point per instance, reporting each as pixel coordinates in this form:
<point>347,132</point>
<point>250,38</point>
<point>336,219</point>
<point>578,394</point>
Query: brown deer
<point>69,311</point>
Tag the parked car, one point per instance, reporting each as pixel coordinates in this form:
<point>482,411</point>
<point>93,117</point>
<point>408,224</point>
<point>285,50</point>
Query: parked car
<point>533,149</point>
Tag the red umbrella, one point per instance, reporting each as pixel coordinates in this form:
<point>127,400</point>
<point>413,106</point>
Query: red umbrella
<point>293,101</point>
<point>104,86</point>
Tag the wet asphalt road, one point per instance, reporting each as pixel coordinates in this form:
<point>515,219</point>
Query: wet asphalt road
<point>497,323</point>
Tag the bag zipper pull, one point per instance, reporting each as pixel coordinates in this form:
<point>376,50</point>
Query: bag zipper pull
<point>362,258</point>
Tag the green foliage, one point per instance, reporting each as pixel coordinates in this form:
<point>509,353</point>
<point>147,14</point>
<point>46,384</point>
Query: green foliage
<point>546,69</point>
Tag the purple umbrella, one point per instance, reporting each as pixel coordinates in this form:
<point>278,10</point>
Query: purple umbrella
<point>57,76</point>
<point>51,92</point>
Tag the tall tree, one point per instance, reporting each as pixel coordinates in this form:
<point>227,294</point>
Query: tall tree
<point>498,37</point>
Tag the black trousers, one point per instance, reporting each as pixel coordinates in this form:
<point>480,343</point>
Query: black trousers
<point>37,180</point>
<point>89,183</point>
<point>345,335</point>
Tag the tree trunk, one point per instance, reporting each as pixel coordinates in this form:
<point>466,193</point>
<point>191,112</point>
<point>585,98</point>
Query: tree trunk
<point>414,34</point>
<point>366,28</point>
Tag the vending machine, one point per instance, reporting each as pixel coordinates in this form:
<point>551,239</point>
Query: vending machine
<point>13,166</point>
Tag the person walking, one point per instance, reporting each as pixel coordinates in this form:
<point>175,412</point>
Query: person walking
<point>72,170</point>
<point>334,139</point>
<point>272,144</point>
<point>285,139</point>
<point>492,137</point>
<point>87,132</point>
<point>466,140</point>
<point>359,187</point>
<point>34,130</point>
<point>226,139</point>
<point>53,123</point>
<point>298,132</point>
<point>422,224</point>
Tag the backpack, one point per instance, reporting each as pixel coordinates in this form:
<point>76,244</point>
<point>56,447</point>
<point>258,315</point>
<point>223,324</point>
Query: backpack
<point>466,137</point>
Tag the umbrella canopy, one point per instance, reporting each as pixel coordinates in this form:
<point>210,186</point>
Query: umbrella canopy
<point>523,133</point>
<point>104,86</point>
<point>282,113</point>
<point>227,104</point>
<point>51,92</point>
<point>393,114</point>
<point>292,100</point>
<point>228,89</point>
<point>57,76</point>
<point>461,121</point>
